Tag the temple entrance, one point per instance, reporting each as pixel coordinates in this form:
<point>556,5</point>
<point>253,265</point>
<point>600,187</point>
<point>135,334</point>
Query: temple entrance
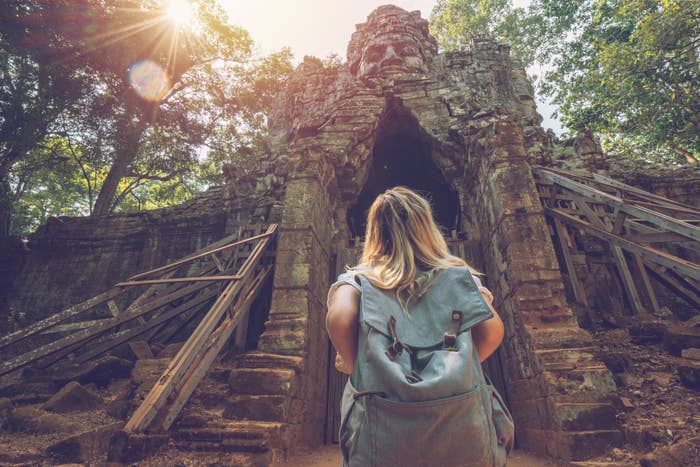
<point>402,156</point>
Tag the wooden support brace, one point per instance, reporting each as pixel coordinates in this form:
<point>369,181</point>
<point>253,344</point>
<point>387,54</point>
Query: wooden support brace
<point>219,338</point>
<point>663,258</point>
<point>180,364</point>
<point>579,293</point>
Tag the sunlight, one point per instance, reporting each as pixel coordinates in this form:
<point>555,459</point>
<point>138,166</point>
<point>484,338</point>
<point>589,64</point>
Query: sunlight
<point>180,11</point>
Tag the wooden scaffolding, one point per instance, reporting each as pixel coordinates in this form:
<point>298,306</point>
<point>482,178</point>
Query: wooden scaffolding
<point>217,284</point>
<point>647,234</point>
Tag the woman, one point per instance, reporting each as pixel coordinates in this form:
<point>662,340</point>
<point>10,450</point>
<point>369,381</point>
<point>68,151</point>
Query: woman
<point>399,321</point>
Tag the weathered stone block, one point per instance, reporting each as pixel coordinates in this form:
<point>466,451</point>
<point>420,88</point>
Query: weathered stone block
<point>37,421</point>
<point>72,397</point>
<point>249,407</point>
<point>261,381</point>
<point>83,447</point>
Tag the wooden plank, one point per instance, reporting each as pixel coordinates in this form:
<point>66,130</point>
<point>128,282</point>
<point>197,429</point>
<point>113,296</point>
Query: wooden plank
<point>662,220</point>
<point>113,308</point>
<point>688,293</point>
<point>57,318</point>
<point>202,297</point>
<point>189,259</point>
<point>141,349</point>
<point>642,193</point>
<point>651,295</point>
<point>663,258</point>
<point>579,293</point>
<point>219,265</point>
<point>661,207</point>
<point>66,345</point>
<point>592,216</point>
<point>175,280</point>
<point>197,371</point>
<point>161,391</point>
<point>70,327</point>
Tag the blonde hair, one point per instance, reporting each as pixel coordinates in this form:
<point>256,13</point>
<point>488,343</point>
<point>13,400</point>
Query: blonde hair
<point>400,239</point>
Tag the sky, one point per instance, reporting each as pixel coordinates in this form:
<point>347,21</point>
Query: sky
<point>323,27</point>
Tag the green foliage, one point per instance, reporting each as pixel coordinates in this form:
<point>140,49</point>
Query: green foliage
<point>625,69</point>
<point>454,23</point>
<point>71,119</point>
<point>631,74</point>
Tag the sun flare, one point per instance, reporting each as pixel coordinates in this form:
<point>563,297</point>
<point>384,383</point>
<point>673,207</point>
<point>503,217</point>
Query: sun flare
<point>180,11</point>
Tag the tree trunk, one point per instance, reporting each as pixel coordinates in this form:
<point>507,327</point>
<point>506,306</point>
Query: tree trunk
<point>126,155</point>
<point>5,210</point>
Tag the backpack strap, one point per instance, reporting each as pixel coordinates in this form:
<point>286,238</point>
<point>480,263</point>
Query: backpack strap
<point>449,341</point>
<point>396,347</point>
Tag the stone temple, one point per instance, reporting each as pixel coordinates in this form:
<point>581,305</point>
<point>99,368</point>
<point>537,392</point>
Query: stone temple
<point>461,127</point>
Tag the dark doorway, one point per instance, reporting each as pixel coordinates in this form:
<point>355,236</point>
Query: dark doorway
<point>402,156</point>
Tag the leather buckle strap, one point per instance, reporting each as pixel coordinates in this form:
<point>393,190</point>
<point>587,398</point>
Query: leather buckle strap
<point>449,340</point>
<point>396,347</point>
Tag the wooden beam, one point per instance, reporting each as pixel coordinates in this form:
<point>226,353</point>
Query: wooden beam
<point>57,318</point>
<point>663,276</point>
<point>645,194</point>
<point>179,365</point>
<point>69,327</point>
<point>67,344</point>
<point>651,295</point>
<point>662,220</point>
<point>579,293</point>
<point>663,258</point>
<point>103,347</point>
<point>178,279</point>
<point>189,259</point>
<point>220,336</point>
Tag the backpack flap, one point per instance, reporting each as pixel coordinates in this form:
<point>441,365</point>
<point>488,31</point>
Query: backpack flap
<point>429,318</point>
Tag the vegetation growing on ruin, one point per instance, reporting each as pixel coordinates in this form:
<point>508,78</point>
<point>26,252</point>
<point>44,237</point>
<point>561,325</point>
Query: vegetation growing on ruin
<point>626,69</point>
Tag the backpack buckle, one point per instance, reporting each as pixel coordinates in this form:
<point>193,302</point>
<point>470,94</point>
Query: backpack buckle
<point>450,342</point>
<point>394,350</point>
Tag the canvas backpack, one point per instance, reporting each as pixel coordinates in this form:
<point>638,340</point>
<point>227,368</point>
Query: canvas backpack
<point>417,395</point>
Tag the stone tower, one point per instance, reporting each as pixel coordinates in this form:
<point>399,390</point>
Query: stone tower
<point>462,128</point>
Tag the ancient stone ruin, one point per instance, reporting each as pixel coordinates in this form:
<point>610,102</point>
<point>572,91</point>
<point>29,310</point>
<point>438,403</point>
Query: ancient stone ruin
<point>460,127</point>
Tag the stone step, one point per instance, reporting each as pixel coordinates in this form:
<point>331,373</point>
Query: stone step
<point>585,416</point>
<point>583,445</point>
<point>256,407</point>
<point>273,381</point>
<point>592,383</point>
<point>269,360</point>
<point>250,437</point>
<point>571,358</point>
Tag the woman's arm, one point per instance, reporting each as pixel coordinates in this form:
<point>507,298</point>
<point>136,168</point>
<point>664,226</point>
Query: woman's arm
<point>488,334</point>
<point>342,324</point>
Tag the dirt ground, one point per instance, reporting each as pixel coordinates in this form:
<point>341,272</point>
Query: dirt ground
<point>329,456</point>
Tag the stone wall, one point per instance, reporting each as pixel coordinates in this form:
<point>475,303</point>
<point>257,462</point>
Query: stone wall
<point>68,260</point>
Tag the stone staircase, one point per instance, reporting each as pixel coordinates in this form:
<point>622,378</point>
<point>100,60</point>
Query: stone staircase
<point>241,409</point>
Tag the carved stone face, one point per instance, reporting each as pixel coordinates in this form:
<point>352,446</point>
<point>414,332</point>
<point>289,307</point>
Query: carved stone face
<point>391,41</point>
<point>392,53</point>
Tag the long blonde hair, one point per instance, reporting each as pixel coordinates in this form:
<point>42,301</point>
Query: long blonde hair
<point>400,239</point>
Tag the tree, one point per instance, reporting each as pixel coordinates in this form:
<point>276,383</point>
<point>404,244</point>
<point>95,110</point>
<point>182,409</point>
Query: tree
<point>38,81</point>
<point>134,98</point>
<point>625,69</point>
<point>630,73</point>
<point>454,23</point>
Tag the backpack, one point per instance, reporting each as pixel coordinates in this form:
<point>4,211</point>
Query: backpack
<point>418,395</point>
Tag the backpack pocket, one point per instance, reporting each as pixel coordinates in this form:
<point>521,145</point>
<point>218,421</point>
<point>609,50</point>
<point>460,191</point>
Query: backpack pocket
<point>504,427</point>
<point>452,431</point>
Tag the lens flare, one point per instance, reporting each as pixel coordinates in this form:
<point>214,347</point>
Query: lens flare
<point>149,80</point>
